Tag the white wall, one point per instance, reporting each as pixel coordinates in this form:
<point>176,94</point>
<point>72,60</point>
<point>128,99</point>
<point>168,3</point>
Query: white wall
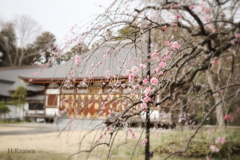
<point>155,115</point>
<point>16,111</point>
<point>52,111</point>
<point>52,91</point>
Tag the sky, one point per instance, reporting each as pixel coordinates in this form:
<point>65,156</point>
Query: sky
<point>55,16</point>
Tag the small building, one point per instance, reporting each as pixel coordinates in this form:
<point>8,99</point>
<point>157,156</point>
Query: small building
<point>9,81</point>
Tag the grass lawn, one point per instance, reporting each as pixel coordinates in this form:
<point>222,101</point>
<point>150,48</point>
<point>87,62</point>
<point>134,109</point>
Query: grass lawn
<point>164,143</point>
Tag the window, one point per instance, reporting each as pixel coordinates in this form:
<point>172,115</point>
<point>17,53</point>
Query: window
<point>36,106</point>
<point>52,100</point>
<point>94,90</point>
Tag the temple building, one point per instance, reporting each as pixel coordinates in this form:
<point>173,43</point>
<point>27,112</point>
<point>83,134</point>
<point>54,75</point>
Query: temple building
<point>75,89</point>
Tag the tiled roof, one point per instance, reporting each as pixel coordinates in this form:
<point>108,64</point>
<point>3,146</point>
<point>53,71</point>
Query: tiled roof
<point>9,80</point>
<point>116,55</point>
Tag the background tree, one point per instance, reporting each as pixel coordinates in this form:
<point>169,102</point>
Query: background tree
<point>7,44</point>
<point>4,109</point>
<point>19,99</point>
<point>41,48</point>
<point>21,42</point>
<point>77,49</point>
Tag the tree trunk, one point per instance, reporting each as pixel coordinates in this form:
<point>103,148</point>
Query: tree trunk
<point>219,108</point>
<point>220,113</point>
<point>4,115</point>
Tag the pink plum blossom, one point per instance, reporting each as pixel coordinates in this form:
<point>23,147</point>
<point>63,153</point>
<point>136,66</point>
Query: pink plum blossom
<point>175,45</point>
<point>173,24</point>
<point>237,35</point>
<point>191,7</point>
<point>233,41</point>
<point>142,66</point>
<point>77,59</point>
<point>205,9</point>
<point>167,43</point>
<point>215,94</point>
<point>147,91</point>
<point>154,55</point>
<point>160,73</point>
<point>132,133</point>
<point>135,69</point>
<point>162,64</point>
<point>213,148</point>
<point>144,142</point>
<point>167,57</point>
<point>156,70</point>
<point>36,73</point>
<point>221,140</point>
<point>146,99</point>
<point>214,61</point>
<point>130,77</point>
<point>145,81</point>
<point>144,106</point>
<point>154,81</point>
<point>207,19</point>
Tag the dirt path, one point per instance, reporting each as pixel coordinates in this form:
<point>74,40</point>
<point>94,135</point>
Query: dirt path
<point>45,138</point>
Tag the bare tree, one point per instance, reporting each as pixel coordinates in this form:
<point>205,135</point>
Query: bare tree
<point>15,36</point>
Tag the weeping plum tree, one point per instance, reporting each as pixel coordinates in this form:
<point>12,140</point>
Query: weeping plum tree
<point>178,55</point>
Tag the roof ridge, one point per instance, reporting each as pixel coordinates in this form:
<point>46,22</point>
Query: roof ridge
<point>20,67</point>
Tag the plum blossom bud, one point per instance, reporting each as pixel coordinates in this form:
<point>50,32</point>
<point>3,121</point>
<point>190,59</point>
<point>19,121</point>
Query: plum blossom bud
<point>144,142</point>
<point>191,7</point>
<point>227,117</point>
<point>77,59</point>
<point>178,16</point>
<point>130,77</point>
